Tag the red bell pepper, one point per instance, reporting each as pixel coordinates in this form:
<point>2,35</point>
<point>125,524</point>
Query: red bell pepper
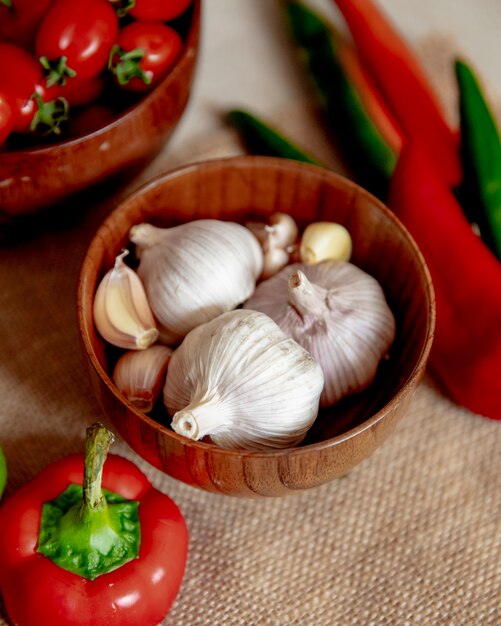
<point>465,358</point>
<point>87,556</point>
<point>402,83</point>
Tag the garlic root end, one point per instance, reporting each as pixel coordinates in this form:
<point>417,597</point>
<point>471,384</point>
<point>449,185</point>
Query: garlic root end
<point>184,423</point>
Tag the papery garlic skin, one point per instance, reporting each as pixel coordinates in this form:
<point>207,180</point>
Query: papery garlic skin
<point>140,376</point>
<point>242,381</point>
<point>274,259</point>
<point>121,311</point>
<point>338,313</point>
<point>282,229</point>
<point>196,271</point>
<point>277,238</point>
<point>323,241</point>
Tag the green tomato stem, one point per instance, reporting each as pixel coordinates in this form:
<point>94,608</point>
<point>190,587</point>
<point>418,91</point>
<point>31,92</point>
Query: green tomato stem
<point>122,7</point>
<point>127,65</point>
<point>50,116</point>
<point>57,71</point>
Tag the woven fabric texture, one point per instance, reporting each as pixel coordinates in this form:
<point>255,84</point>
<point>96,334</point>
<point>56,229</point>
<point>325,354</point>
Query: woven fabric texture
<point>410,536</point>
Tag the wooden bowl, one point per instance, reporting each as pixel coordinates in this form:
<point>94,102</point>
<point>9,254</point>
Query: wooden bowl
<point>36,178</point>
<point>245,188</point>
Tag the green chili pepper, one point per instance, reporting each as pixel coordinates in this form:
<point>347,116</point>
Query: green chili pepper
<point>480,191</point>
<point>3,472</point>
<point>369,155</point>
<point>260,138</point>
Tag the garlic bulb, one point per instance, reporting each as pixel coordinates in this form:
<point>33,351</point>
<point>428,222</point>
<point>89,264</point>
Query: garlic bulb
<point>196,271</point>
<point>276,238</point>
<point>242,381</point>
<point>140,376</point>
<point>338,313</point>
<point>121,311</point>
<point>325,240</point>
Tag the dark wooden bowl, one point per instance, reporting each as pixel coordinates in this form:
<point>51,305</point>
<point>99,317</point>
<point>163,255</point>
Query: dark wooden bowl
<point>248,187</point>
<point>36,178</point>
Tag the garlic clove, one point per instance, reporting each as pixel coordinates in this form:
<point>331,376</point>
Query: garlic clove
<point>274,259</point>
<point>121,311</point>
<point>140,375</point>
<point>196,271</point>
<point>240,380</point>
<point>338,313</point>
<point>322,241</point>
<point>283,230</point>
<point>277,239</point>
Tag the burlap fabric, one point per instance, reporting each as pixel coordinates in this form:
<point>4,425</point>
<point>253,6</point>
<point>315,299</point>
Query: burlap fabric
<point>411,536</point>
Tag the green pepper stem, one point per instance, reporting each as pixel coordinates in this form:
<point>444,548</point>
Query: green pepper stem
<point>88,530</point>
<point>97,446</point>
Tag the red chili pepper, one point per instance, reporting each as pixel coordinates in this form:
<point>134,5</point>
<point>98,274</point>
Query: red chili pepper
<point>465,358</point>
<point>374,104</point>
<point>402,83</point>
<point>64,562</point>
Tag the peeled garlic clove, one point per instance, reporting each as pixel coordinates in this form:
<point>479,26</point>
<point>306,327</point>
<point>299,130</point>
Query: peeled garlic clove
<point>121,311</point>
<point>194,272</point>
<point>243,382</point>
<point>338,313</point>
<point>325,240</point>
<point>140,376</point>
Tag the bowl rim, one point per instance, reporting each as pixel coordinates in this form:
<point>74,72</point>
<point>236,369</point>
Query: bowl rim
<point>189,50</point>
<point>273,162</point>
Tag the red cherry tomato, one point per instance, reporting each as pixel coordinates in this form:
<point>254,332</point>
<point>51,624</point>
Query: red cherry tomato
<point>79,92</point>
<point>19,21</point>
<point>6,122</point>
<point>144,54</point>
<point>21,81</point>
<point>20,76</point>
<point>163,10</point>
<point>82,32</point>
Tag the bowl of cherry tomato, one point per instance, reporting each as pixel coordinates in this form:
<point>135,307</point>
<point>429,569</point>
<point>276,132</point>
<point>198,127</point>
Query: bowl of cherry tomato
<point>87,90</point>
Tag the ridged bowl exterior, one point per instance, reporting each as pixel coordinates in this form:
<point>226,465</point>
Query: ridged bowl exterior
<point>239,189</point>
